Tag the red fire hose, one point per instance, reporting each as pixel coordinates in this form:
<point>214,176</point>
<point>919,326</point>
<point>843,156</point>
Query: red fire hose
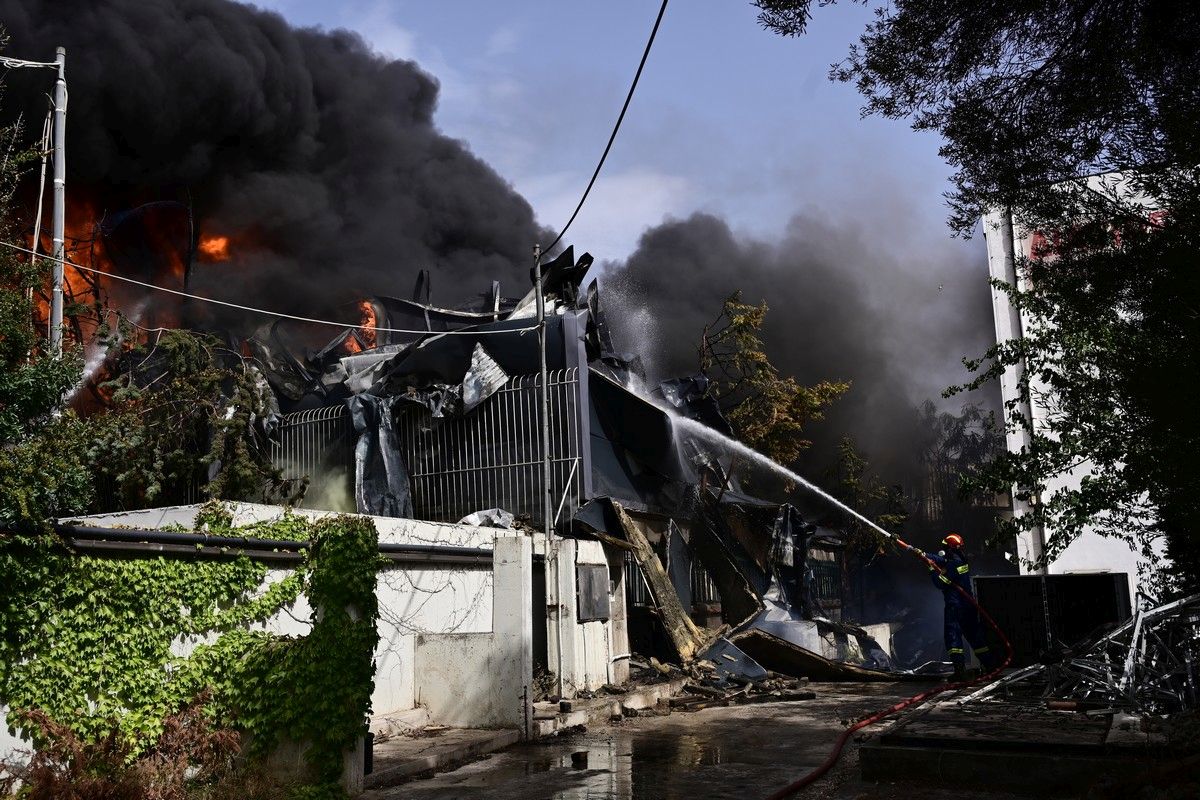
<point>840,744</point>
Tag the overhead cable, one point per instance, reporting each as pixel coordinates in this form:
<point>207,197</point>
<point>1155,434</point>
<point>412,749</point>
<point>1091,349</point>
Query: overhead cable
<point>267,312</point>
<point>613,136</point>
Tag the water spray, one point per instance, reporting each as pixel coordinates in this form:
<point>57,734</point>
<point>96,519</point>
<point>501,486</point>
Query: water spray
<point>743,451</point>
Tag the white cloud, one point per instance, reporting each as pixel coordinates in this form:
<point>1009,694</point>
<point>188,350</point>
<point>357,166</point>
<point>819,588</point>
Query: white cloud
<point>503,40</point>
<point>378,26</point>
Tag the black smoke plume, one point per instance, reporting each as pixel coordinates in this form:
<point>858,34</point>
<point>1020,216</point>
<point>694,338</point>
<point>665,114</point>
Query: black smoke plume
<point>317,157</point>
<point>841,308</point>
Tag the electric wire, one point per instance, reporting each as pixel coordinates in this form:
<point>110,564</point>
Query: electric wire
<point>267,312</point>
<point>917,699</point>
<point>18,63</point>
<point>613,136</point>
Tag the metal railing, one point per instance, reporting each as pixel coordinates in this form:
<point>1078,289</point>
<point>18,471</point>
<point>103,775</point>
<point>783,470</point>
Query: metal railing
<point>318,444</point>
<point>492,457</point>
<point>489,458</point>
<point>704,591</point>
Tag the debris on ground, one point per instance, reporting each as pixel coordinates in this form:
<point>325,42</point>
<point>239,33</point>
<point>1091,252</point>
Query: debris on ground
<point>1149,664</point>
<point>709,685</point>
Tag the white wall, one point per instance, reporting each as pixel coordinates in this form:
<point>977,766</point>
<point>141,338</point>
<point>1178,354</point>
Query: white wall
<point>412,601</point>
<point>485,679</point>
<point>458,641</point>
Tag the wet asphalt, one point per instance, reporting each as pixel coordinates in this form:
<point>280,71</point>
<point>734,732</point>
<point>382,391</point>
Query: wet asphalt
<point>739,752</point>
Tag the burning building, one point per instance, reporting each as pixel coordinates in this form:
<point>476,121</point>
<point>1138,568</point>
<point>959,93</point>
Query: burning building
<point>434,413</point>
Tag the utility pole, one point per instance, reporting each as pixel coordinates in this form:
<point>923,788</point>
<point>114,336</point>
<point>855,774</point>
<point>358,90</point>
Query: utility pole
<point>60,186</point>
<point>60,201</point>
<point>547,492</point>
<point>547,497</point>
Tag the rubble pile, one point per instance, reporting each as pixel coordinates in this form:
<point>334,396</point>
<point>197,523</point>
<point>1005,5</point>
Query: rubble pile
<point>709,686</point>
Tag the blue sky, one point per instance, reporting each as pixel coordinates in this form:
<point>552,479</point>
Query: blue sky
<point>728,118</point>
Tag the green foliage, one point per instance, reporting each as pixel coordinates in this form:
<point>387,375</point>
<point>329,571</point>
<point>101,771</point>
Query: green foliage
<point>1108,354</point>
<point>1031,99</point>
<point>766,410</point>
<point>856,486</point>
<point>94,643</point>
<point>1028,94</point>
<point>184,413</point>
<point>41,471</point>
<point>785,17</point>
<point>315,689</point>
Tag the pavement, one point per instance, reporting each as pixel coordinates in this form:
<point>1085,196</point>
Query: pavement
<point>407,745</point>
<point>743,752</point>
<point>739,752</point>
<point>402,757</point>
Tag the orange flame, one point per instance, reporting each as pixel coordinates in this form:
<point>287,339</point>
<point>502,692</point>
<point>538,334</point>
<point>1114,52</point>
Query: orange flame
<point>214,248</point>
<point>367,322</point>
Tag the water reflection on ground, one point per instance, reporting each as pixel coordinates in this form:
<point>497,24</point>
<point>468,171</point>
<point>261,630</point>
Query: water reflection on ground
<point>739,752</point>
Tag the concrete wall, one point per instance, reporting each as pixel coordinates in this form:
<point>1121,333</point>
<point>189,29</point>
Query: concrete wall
<point>485,679</point>
<point>412,601</point>
<point>456,641</point>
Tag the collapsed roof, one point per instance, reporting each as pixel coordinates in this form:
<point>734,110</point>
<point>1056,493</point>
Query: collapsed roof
<point>638,460</point>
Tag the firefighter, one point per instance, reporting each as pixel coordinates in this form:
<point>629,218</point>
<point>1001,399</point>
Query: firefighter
<point>961,616</point>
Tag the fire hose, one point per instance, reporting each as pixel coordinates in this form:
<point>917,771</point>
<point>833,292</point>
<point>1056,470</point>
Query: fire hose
<point>917,699</point>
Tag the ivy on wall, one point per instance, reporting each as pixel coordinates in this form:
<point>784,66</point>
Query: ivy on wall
<point>100,643</point>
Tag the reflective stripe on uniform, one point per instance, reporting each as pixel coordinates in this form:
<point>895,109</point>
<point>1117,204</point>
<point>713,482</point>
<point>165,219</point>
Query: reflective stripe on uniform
<point>979,650</point>
<point>955,650</point>
<point>963,569</point>
<point>943,579</point>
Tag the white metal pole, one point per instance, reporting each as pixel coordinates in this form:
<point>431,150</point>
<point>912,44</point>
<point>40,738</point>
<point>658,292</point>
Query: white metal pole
<point>1024,402</point>
<point>60,191</point>
<point>547,496</point>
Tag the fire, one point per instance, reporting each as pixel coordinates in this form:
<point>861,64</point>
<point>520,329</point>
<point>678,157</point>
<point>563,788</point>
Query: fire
<point>214,248</point>
<point>367,322</point>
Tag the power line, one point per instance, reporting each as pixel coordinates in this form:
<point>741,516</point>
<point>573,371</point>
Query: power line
<point>254,310</point>
<point>613,136</point>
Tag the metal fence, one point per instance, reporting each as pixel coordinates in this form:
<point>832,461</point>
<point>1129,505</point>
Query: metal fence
<point>489,458</point>
<point>492,457</point>
<point>318,444</point>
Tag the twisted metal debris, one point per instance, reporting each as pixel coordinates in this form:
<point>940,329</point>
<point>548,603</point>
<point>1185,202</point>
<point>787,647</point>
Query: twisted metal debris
<point>1149,664</point>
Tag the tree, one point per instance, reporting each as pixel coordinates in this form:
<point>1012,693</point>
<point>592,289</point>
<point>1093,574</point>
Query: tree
<point>1109,362</point>
<point>854,484</point>
<point>41,469</point>
<point>187,419</point>
<point>1030,94</point>
<point>767,411</point>
<point>1030,99</point>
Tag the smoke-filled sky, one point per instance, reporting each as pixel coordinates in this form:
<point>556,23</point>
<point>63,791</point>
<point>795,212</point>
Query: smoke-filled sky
<point>840,308</point>
<point>341,171</point>
<point>318,157</point>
